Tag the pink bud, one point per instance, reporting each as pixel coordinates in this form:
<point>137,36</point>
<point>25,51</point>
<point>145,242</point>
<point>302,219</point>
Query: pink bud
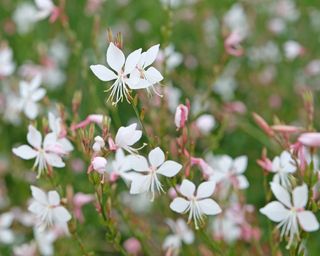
<point>263,124</point>
<point>99,164</point>
<point>181,116</point>
<point>310,139</point>
<point>79,200</point>
<point>94,118</point>
<point>286,128</point>
<point>265,164</point>
<point>112,145</point>
<point>232,44</point>
<point>132,246</point>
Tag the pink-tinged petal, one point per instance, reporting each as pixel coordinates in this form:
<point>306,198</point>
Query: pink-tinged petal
<point>36,207</point>
<point>300,196</point>
<point>39,195</point>
<point>61,214</point>
<point>310,139</point>
<point>240,164</point>
<point>53,198</point>
<point>156,157</point>
<point>275,211</point>
<point>25,152</point>
<point>31,110</point>
<point>44,4</point>
<point>242,182</point>
<point>115,57</point>
<point>179,205</point>
<point>281,194</point>
<point>103,73</point>
<point>132,61</point>
<point>138,163</point>
<point>206,189</point>
<point>209,206</point>
<point>153,75</point>
<point>139,183</point>
<point>151,55</point>
<point>169,168</point>
<point>187,188</point>
<point>34,137</point>
<point>308,221</point>
<point>54,160</point>
<point>99,164</point>
<point>38,94</point>
<point>66,144</point>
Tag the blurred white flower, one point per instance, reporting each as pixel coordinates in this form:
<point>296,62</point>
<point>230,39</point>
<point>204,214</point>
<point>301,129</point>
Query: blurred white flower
<point>30,94</point>
<point>198,204</point>
<point>24,17</point>
<point>226,228</point>
<point>6,235</point>
<point>236,20</point>
<point>171,58</point>
<point>145,178</point>
<point>45,9</point>
<point>290,214</point>
<point>205,123</point>
<point>48,209</point>
<point>29,249</point>
<point>47,153</point>
<point>98,144</point>
<point>292,49</point>
<point>7,65</point>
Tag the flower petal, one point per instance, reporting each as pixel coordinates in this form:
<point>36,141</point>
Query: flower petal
<point>156,157</point>
<point>187,188</point>
<point>39,195</point>
<point>61,214</point>
<point>132,61</point>
<point>153,75</point>
<point>139,183</point>
<point>53,198</point>
<point>151,55</point>
<point>38,94</point>
<point>243,182</point>
<point>281,194</point>
<point>25,152</point>
<point>206,189</point>
<point>300,196</point>
<point>34,137</point>
<point>54,160</point>
<point>240,164</point>
<point>103,73</point>
<point>308,221</point>
<point>179,205</point>
<point>31,110</point>
<point>169,168</point>
<point>138,163</point>
<point>209,206</point>
<point>115,57</point>
<point>275,211</point>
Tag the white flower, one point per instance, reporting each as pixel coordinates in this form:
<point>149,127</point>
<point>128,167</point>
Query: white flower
<point>29,249</point>
<point>229,171</point>
<point>30,94</point>
<point>145,178</point>
<point>283,166</point>
<point>7,65</point>
<point>98,144</point>
<point>205,123</point>
<point>44,240</point>
<point>47,153</point>
<point>121,69</point>
<point>127,136</point>
<point>145,75</point>
<point>6,235</point>
<point>119,166</point>
<point>292,49</point>
<point>226,228</point>
<point>55,124</point>
<point>47,208</point>
<point>171,58</point>
<point>24,17</point>
<point>181,233</point>
<point>198,204</point>
<point>290,213</point>
<point>45,8</point>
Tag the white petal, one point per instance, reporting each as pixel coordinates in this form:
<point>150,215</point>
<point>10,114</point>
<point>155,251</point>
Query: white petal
<point>115,57</point>
<point>169,168</point>
<point>25,152</point>
<point>54,160</point>
<point>134,138</point>
<point>139,183</point>
<point>39,195</point>
<point>205,189</point>
<point>300,196</point>
<point>31,110</point>
<point>35,83</point>
<point>61,214</point>
<point>53,198</point>
<point>44,4</point>
<point>187,188</point>
<point>138,163</point>
<point>151,55</point>
<point>240,164</point>
<point>36,208</point>
<point>242,182</point>
<point>281,194</point>
<point>308,221</point>
<point>209,206</point>
<point>66,144</point>
<point>179,205</point>
<point>103,73</point>
<point>153,75</point>
<point>275,211</point>
<point>156,157</point>
<point>34,137</point>
<point>132,61</point>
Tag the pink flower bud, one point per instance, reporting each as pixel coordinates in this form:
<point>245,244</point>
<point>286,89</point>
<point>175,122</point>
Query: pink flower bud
<point>181,116</point>
<point>205,123</point>
<point>263,124</point>
<point>232,44</point>
<point>286,128</point>
<point>310,139</point>
<point>99,164</point>
<point>79,200</point>
<point>112,145</point>
<point>132,246</point>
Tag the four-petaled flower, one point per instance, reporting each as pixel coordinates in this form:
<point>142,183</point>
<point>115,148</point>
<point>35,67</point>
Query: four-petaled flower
<point>198,204</point>
<point>126,137</point>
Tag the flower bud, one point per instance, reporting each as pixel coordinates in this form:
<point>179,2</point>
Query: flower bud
<point>99,164</point>
<point>181,116</point>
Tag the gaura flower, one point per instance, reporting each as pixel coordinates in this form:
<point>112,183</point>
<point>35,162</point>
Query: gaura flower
<point>146,175</point>
<point>198,204</point>
<point>290,213</point>
<point>46,8</point>
<point>122,68</point>
<point>47,153</point>
<point>30,94</point>
<point>47,208</point>
<point>126,137</point>
<point>6,63</point>
<point>98,144</point>
<point>181,116</point>
<point>282,166</point>
<point>6,235</point>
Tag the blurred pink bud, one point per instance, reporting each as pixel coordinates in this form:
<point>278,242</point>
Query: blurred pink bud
<point>132,246</point>
<point>55,14</point>
<point>181,116</point>
<point>99,164</point>
<point>94,118</point>
<point>263,124</point>
<point>310,139</point>
<point>77,165</point>
<point>112,145</point>
<point>265,164</point>
<point>286,128</point>
<point>235,107</point>
<point>205,123</point>
<point>300,150</point>
<point>172,192</point>
<point>79,200</point>
<point>232,44</point>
